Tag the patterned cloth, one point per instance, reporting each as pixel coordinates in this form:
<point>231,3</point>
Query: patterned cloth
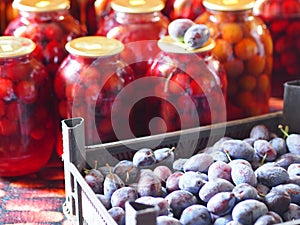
<point>36,198</point>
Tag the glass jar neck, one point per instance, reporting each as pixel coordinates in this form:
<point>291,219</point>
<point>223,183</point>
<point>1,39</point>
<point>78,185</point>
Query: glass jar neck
<point>44,16</point>
<point>22,58</point>
<point>229,16</point>
<point>123,17</point>
<point>94,60</point>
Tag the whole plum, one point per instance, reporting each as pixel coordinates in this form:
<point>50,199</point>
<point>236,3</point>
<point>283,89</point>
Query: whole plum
<point>279,145</point>
<point>287,159</point>
<point>238,149</point>
<point>122,195</point>
<point>191,181</point>
<point>293,213</point>
<point>144,157</point>
<point>248,211</point>
<point>219,169</point>
<point>163,205</point>
<point>292,189</point>
<point>278,200</point>
<point>94,179</point>
<point>196,215</point>
<point>260,131</point>
<point>172,183</point>
<point>213,187</point>
<point>196,36</point>
<point>111,183</point>
<point>162,172</point>
<point>198,163</point>
<point>126,171</point>
<point>118,214</point>
<point>241,173</point>
<point>245,191</point>
<point>223,220</point>
<point>167,220</point>
<point>165,156</point>
<point>149,184</point>
<point>271,175</point>
<point>179,163</point>
<point>221,203</point>
<point>104,200</point>
<point>293,143</point>
<point>265,150</point>
<point>178,27</point>
<point>179,200</point>
<point>267,220</point>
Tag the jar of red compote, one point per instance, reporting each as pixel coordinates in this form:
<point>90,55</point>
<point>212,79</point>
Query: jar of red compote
<point>92,12</point>
<point>282,18</point>
<point>176,9</point>
<point>27,123</point>
<point>88,82</point>
<point>190,87</point>
<point>49,24</point>
<point>244,46</point>
<point>140,23</point>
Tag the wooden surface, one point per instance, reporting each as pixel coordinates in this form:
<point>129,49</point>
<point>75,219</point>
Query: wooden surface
<point>36,198</point>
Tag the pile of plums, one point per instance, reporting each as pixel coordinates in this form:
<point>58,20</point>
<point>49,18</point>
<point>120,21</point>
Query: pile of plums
<point>251,181</point>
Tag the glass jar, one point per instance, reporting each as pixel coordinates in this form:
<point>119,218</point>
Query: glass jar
<point>176,9</point>
<point>282,18</point>
<point>244,46</point>
<point>139,22</point>
<point>92,12</point>
<point>49,24</point>
<point>27,123</point>
<point>190,87</point>
<point>88,82</point>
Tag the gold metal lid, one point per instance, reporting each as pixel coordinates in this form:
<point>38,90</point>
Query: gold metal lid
<point>11,46</point>
<point>137,6</point>
<point>228,5</point>
<point>94,46</point>
<point>41,5</point>
<point>168,44</point>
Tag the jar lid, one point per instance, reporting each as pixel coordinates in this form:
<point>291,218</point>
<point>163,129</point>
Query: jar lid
<point>137,6</point>
<point>11,46</point>
<point>228,5</point>
<point>168,44</point>
<point>41,5</point>
<point>94,46</point>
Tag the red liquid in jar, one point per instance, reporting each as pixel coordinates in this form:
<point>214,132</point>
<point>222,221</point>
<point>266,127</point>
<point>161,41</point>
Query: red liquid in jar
<point>190,90</point>
<point>87,83</point>
<point>27,130</point>
<point>283,20</point>
<point>136,22</point>
<point>176,9</point>
<point>49,26</point>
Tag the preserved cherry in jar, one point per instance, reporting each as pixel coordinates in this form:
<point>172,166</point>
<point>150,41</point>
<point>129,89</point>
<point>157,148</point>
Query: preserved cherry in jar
<point>49,24</point>
<point>282,18</point>
<point>88,82</point>
<point>190,87</point>
<point>244,46</point>
<point>140,23</point>
<point>27,122</point>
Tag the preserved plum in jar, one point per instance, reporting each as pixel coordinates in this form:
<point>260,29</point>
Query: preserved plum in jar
<point>27,121</point>
<point>140,23</point>
<point>88,82</point>
<point>282,18</point>
<point>244,46</point>
<point>49,24</point>
<point>189,9</point>
<point>190,87</point>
